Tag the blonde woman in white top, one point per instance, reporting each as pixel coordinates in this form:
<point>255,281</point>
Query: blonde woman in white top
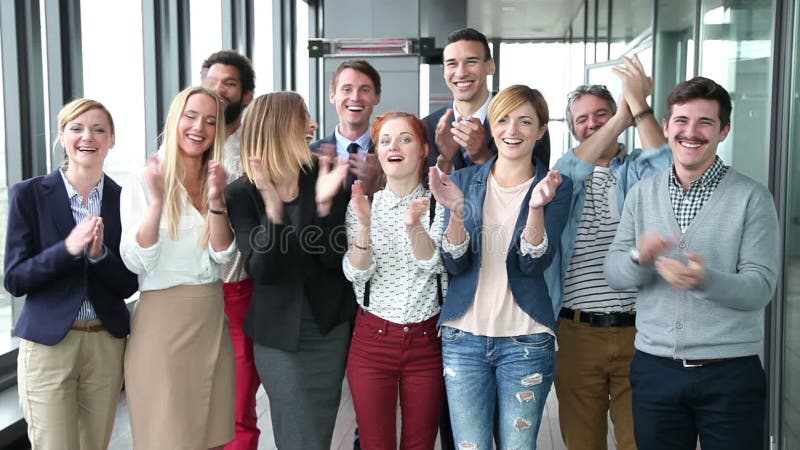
<point>394,264</point>
<point>179,367</point>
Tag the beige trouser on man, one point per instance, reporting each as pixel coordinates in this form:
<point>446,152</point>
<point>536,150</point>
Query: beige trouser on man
<point>593,378</point>
<point>68,392</point>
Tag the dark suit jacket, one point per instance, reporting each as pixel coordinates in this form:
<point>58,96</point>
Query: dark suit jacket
<point>541,150</point>
<point>288,264</point>
<point>331,139</point>
<point>37,264</point>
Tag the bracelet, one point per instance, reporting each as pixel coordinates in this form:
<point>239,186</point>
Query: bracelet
<point>218,211</point>
<point>642,114</point>
<point>360,247</point>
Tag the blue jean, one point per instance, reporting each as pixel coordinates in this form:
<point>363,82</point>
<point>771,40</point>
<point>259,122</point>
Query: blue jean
<point>512,374</point>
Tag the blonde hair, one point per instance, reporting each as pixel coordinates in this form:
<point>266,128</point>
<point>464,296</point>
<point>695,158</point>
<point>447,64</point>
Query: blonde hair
<point>273,130</point>
<point>174,173</point>
<point>75,108</point>
<point>512,98</point>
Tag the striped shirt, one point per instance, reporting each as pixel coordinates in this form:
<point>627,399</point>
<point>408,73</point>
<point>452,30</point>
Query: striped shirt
<point>585,286</point>
<point>687,204</point>
<point>80,211</point>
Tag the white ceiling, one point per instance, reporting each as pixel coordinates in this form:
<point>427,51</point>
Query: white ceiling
<point>522,19</point>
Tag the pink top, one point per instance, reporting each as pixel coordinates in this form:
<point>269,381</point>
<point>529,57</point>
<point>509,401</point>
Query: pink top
<point>494,312</point>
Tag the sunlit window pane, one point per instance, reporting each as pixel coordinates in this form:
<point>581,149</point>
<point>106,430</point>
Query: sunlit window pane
<point>111,35</point>
<point>206,29</point>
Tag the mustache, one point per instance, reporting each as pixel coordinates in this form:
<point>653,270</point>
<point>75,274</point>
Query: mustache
<point>683,137</point>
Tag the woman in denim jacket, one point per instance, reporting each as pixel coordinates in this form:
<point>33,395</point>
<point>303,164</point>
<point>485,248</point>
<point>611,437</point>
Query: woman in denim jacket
<point>504,221</point>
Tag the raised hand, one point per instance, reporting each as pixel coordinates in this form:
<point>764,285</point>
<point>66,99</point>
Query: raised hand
<point>444,137</point>
<point>269,194</point>
<point>361,205</point>
<point>470,134</point>
<point>217,180</point>
<point>545,190</point>
<point>331,177</point>
<point>81,236</point>
<point>636,85</point>
<point>367,170</point>
<point>95,250</point>
<point>682,276</point>
<point>445,191</point>
<point>154,179</point>
<point>416,208</point>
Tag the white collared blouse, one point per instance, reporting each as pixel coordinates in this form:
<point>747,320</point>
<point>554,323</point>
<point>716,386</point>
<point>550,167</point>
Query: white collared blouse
<point>402,287</point>
<point>168,262</point>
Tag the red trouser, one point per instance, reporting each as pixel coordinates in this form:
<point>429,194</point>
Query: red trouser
<point>385,358</point>
<point>237,301</point>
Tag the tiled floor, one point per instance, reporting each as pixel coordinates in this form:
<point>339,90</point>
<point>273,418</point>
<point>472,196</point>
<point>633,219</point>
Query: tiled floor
<point>549,433</point>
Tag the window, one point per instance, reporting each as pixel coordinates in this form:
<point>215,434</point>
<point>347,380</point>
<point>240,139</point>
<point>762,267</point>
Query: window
<point>205,27</point>
<point>6,311</point>
<point>736,52</point>
<point>263,47</point>
<point>111,36</point>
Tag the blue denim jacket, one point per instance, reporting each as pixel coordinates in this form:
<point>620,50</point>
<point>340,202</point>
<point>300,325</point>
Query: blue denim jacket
<point>525,274</point>
<point>628,170</point>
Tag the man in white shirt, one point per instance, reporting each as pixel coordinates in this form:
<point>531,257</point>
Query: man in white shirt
<point>355,90</point>
<point>231,76</point>
<point>459,135</point>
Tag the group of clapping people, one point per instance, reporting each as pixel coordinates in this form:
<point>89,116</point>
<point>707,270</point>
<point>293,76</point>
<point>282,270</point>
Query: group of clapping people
<point>416,256</point>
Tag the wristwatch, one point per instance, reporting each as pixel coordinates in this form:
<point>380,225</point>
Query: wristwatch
<point>634,254</point>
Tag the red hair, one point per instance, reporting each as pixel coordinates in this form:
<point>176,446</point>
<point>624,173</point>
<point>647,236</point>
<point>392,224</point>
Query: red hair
<point>417,126</point>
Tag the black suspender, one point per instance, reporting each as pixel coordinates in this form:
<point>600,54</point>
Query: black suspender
<point>439,296</point>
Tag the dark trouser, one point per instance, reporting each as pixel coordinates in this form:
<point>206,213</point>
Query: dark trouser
<point>304,387</point>
<point>387,360</point>
<point>724,403</point>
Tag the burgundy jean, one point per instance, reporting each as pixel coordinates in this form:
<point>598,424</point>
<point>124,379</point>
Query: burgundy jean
<point>237,301</point>
<point>387,359</point>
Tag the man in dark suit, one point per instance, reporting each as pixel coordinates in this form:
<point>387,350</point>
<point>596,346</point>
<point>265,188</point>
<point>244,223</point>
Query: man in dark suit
<point>355,90</point>
<point>459,136</point>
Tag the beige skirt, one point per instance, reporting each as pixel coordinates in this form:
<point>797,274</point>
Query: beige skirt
<point>179,369</point>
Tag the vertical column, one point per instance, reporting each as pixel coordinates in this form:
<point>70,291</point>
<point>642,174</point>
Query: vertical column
<point>167,59</point>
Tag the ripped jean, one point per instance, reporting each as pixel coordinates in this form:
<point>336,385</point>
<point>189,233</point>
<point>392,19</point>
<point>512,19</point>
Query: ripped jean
<point>513,374</point>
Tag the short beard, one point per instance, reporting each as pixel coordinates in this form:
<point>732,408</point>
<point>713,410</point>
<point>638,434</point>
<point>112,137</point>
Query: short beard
<point>233,111</point>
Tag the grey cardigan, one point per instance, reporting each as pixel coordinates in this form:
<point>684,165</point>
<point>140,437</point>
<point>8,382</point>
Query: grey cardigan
<point>736,235</point>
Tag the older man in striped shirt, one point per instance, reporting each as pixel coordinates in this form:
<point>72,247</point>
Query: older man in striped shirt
<point>596,323</point>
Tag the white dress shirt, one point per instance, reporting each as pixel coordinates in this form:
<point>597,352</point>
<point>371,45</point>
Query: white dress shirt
<point>168,262</point>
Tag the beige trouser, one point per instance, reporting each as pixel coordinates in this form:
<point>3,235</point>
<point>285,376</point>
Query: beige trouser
<point>592,380</point>
<point>68,392</point>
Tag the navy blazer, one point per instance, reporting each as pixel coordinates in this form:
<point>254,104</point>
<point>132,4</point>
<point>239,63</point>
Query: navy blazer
<point>541,151</point>
<point>525,274</point>
<point>55,283</point>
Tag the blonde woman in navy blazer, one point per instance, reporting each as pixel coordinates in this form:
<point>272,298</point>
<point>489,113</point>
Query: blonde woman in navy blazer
<point>62,254</point>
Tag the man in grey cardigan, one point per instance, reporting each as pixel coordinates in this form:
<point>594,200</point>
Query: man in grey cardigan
<point>700,242</point>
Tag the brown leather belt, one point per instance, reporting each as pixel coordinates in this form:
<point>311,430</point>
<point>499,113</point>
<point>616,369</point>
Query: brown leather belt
<point>626,319</point>
<point>89,329</point>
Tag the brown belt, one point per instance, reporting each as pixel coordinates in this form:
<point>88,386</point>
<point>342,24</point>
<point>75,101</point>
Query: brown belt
<point>89,329</point>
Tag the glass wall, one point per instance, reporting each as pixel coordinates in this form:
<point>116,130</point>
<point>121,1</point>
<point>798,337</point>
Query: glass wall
<point>790,404</point>
<point>6,312</point>
<point>113,74</point>
<point>263,47</point>
<point>630,19</point>
<point>205,27</point>
<point>736,52</point>
<point>674,50</point>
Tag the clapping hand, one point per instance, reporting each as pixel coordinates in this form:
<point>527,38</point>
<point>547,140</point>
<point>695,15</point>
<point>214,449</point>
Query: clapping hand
<point>545,189</point>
